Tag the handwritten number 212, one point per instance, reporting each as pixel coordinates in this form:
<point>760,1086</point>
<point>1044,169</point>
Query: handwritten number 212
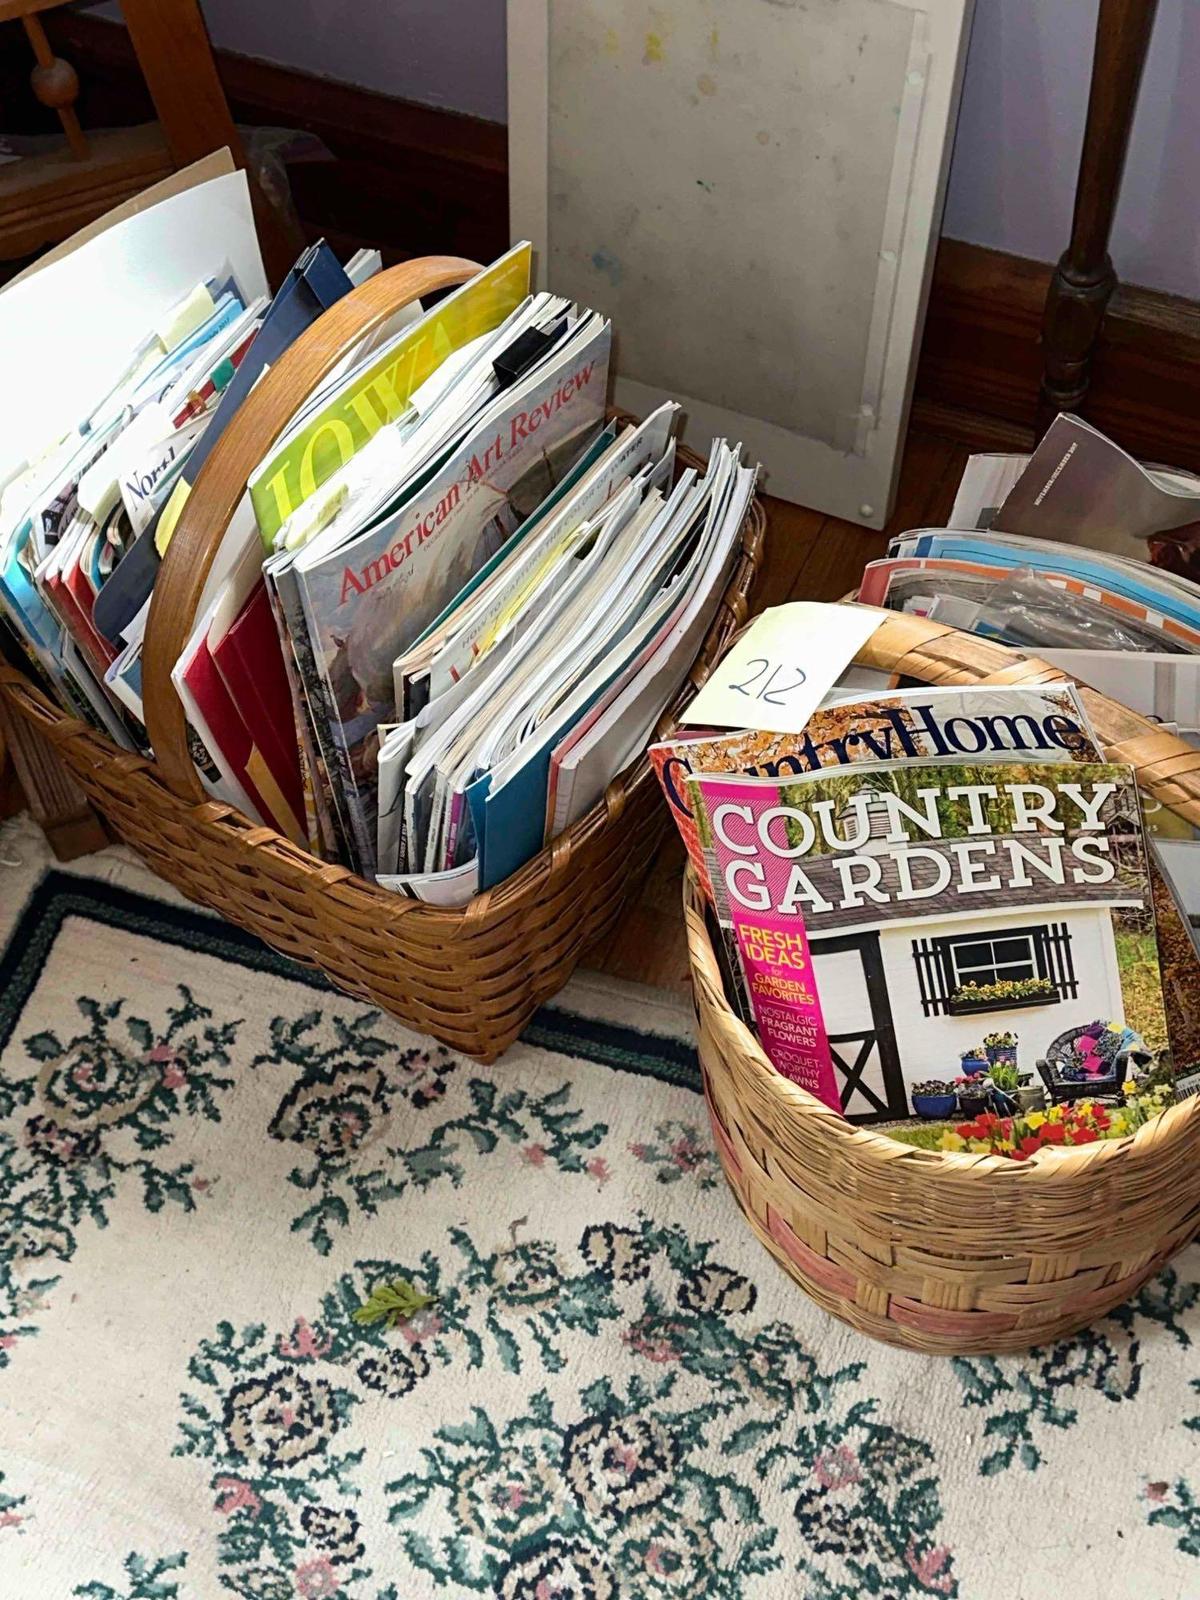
<point>770,692</point>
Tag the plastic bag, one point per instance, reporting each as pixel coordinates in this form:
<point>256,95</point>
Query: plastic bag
<point>1029,611</point>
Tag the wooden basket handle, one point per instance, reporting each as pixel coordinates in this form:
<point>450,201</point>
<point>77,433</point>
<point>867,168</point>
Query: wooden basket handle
<point>221,482</point>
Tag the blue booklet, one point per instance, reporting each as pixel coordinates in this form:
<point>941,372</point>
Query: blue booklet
<point>316,282</point>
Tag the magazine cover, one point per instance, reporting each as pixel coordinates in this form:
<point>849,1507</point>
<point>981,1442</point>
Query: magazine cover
<point>309,707</point>
<point>352,412</point>
<point>317,821</point>
<point>367,600</point>
<point>944,901</point>
<point>1082,488</point>
<point>1047,722</point>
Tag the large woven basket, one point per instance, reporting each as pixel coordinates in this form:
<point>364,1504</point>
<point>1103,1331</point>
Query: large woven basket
<point>951,1253</point>
<point>470,978</point>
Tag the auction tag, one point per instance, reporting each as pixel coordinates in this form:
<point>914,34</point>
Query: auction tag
<point>783,666</point>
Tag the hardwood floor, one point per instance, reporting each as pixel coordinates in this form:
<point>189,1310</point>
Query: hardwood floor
<point>809,557</point>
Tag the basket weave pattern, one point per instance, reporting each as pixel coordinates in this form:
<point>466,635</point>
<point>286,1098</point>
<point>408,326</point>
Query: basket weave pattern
<point>951,1253</point>
<point>470,978</point>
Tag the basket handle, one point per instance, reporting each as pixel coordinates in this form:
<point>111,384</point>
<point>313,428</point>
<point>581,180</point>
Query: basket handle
<point>221,482</point>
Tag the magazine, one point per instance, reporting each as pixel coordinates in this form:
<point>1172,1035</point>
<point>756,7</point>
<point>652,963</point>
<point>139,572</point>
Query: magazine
<point>983,488</point>
<point>923,904</point>
<point>989,480</point>
<point>905,725</point>
<point>1136,589</point>
<point>327,433</point>
<point>620,723</point>
<point>923,586</point>
<point>1082,489</point>
<point>1035,612</point>
<point>578,629</point>
<point>365,601</point>
<point>525,570</point>
<point>308,709</point>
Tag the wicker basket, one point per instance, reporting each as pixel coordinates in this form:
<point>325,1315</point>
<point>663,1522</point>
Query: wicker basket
<point>470,978</point>
<point>951,1254</point>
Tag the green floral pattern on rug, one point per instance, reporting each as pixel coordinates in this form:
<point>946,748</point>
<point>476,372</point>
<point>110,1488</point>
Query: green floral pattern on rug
<point>209,1164</point>
<point>347,1088</point>
<point>1176,1506</point>
<point>145,1579</point>
<point>679,1150</point>
<point>11,1515</point>
<point>616,1488</point>
<point>1023,1397</point>
<point>103,1106</point>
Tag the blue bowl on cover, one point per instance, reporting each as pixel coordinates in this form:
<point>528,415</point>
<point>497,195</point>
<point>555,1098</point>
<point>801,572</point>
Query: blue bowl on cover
<point>935,1107</point>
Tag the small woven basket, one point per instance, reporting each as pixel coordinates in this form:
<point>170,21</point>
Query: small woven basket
<point>951,1254</point>
<point>470,978</point>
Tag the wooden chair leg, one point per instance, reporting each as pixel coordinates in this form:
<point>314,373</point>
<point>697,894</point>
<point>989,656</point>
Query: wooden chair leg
<point>1084,279</point>
<point>171,43</point>
<point>57,803</point>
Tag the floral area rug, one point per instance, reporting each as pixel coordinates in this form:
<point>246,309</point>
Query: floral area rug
<point>210,1161</point>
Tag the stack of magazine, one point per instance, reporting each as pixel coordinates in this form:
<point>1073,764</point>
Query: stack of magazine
<point>1086,558</point>
<point>917,866</point>
<point>486,607</point>
<point>173,325</point>
<point>454,600</point>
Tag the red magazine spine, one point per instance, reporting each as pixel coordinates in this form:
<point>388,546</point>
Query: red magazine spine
<point>250,661</point>
<point>225,724</point>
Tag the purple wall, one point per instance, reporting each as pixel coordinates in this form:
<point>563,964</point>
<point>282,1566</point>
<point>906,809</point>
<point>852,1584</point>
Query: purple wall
<point>443,52</point>
<point>1015,157</point>
<point>1012,182</point>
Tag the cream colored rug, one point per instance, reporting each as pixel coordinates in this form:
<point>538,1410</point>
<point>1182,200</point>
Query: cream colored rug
<point>209,1162</point>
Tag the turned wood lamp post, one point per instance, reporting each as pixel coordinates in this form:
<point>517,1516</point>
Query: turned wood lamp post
<point>45,198</point>
<point>1084,279</point>
<point>55,81</point>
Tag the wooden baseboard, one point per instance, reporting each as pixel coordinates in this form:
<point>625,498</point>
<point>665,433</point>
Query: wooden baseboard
<point>415,180</point>
<point>980,364</point>
<point>408,179</point>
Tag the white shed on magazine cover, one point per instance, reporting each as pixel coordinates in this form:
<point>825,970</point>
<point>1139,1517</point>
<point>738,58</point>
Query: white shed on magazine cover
<point>903,999</point>
<point>886,993</point>
<point>945,901</point>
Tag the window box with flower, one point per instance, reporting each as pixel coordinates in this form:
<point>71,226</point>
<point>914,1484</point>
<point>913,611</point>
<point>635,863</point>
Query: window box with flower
<point>1009,994</point>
